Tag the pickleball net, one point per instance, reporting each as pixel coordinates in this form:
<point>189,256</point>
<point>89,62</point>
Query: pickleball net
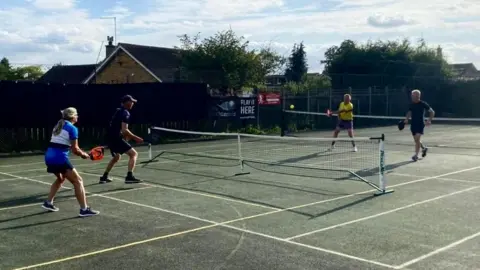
<point>308,157</point>
<point>447,135</point>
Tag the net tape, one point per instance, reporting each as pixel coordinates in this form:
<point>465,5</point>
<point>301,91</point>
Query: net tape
<point>265,137</point>
<point>452,119</point>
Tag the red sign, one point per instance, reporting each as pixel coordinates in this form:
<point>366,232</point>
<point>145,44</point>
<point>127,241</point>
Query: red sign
<point>268,99</point>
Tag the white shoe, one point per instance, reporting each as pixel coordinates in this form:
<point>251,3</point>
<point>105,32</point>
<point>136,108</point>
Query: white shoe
<point>355,149</point>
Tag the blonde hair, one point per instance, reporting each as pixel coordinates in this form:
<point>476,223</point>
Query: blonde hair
<point>67,114</point>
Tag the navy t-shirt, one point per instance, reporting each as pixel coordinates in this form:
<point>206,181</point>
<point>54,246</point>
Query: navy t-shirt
<point>121,115</point>
<point>418,112</point>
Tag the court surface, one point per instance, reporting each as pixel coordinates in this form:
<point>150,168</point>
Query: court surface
<point>189,215</point>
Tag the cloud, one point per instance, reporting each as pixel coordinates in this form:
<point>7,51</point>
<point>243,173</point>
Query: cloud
<point>119,10</point>
<point>388,21</point>
<point>53,4</point>
<point>50,31</point>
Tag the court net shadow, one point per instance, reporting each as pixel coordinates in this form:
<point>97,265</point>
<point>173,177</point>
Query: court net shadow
<point>375,171</point>
<point>187,187</point>
<point>345,206</point>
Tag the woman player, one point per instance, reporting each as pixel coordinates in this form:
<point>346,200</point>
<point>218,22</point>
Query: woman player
<point>345,120</point>
<point>65,138</point>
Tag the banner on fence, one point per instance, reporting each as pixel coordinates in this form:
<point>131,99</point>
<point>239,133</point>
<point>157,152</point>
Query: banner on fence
<point>269,99</point>
<point>248,108</point>
<point>234,107</point>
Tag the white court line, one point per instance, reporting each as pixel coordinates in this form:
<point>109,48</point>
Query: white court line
<point>312,203</point>
<point>383,213</point>
<point>442,249</point>
<point>213,224</point>
<point>240,219</point>
<point>73,198</point>
<point>442,178</point>
<point>8,179</point>
<point>198,193</point>
<point>245,150</point>
<point>140,152</point>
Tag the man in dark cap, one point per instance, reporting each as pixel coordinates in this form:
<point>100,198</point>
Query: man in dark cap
<point>117,136</point>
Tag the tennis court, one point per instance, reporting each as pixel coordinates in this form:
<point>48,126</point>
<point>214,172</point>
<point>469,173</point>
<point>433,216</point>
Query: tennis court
<point>195,213</point>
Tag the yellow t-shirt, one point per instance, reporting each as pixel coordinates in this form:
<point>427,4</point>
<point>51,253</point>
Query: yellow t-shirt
<point>346,116</point>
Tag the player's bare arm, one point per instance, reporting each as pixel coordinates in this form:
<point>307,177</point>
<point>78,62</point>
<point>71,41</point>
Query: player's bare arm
<point>409,114</point>
<point>127,133</point>
<point>431,114</point>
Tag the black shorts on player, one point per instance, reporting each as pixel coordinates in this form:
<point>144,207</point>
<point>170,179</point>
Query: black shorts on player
<point>117,131</point>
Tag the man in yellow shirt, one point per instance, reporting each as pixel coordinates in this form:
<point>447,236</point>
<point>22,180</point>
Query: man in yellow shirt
<point>345,119</point>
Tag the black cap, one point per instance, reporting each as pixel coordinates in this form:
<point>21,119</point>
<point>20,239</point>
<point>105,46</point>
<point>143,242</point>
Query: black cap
<point>128,98</point>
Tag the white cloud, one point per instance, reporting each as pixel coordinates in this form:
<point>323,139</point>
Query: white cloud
<point>119,11</point>
<point>53,4</point>
<point>60,31</point>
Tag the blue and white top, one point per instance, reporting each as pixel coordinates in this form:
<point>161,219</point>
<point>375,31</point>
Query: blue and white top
<point>59,147</point>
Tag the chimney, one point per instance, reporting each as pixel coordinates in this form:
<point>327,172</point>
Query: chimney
<point>439,52</point>
<point>110,47</point>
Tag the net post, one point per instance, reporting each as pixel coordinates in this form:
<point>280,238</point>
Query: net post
<point>381,168</point>
<point>240,158</point>
<point>149,132</point>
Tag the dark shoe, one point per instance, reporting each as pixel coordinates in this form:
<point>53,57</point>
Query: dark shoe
<point>132,180</point>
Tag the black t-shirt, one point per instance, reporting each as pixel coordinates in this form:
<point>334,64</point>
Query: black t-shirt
<point>121,115</point>
<point>418,111</point>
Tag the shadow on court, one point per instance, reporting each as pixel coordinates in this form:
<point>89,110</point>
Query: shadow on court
<point>342,207</point>
<point>374,171</point>
<point>61,195</point>
<point>35,223</point>
<point>258,182</point>
<point>310,156</point>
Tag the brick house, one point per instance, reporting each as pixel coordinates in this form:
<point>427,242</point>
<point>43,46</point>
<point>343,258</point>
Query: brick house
<point>124,63</point>
<point>465,72</point>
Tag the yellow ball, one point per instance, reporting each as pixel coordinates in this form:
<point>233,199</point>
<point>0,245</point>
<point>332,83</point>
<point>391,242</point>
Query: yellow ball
<point>292,107</point>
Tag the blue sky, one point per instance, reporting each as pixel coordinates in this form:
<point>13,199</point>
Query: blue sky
<point>71,31</point>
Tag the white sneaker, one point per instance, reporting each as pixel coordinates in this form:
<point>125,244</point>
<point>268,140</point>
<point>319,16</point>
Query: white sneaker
<point>331,148</point>
<point>355,149</point>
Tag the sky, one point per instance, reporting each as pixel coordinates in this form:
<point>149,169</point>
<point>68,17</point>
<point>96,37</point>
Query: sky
<point>46,32</point>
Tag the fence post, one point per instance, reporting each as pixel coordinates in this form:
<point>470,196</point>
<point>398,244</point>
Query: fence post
<point>308,100</point>
<point>330,98</point>
<point>369,100</point>
<point>387,107</point>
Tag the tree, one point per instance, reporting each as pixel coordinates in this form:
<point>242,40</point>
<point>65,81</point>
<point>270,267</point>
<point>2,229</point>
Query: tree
<point>5,69</point>
<point>384,63</point>
<point>7,72</point>
<point>225,61</point>
<point>297,65</point>
<point>309,82</point>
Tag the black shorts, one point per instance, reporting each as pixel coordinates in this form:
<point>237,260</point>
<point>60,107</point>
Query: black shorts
<point>417,129</point>
<point>59,168</point>
<point>118,145</point>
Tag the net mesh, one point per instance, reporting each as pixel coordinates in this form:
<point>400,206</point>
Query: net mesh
<point>444,135</point>
<point>297,156</point>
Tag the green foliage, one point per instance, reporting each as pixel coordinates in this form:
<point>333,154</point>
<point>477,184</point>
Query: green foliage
<point>250,129</point>
<point>394,63</point>
<point>7,72</point>
<point>224,60</point>
<point>297,66</point>
<point>308,82</point>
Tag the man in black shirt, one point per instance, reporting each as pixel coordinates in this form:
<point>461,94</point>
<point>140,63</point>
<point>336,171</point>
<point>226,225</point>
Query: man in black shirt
<point>416,112</point>
<point>117,136</point>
